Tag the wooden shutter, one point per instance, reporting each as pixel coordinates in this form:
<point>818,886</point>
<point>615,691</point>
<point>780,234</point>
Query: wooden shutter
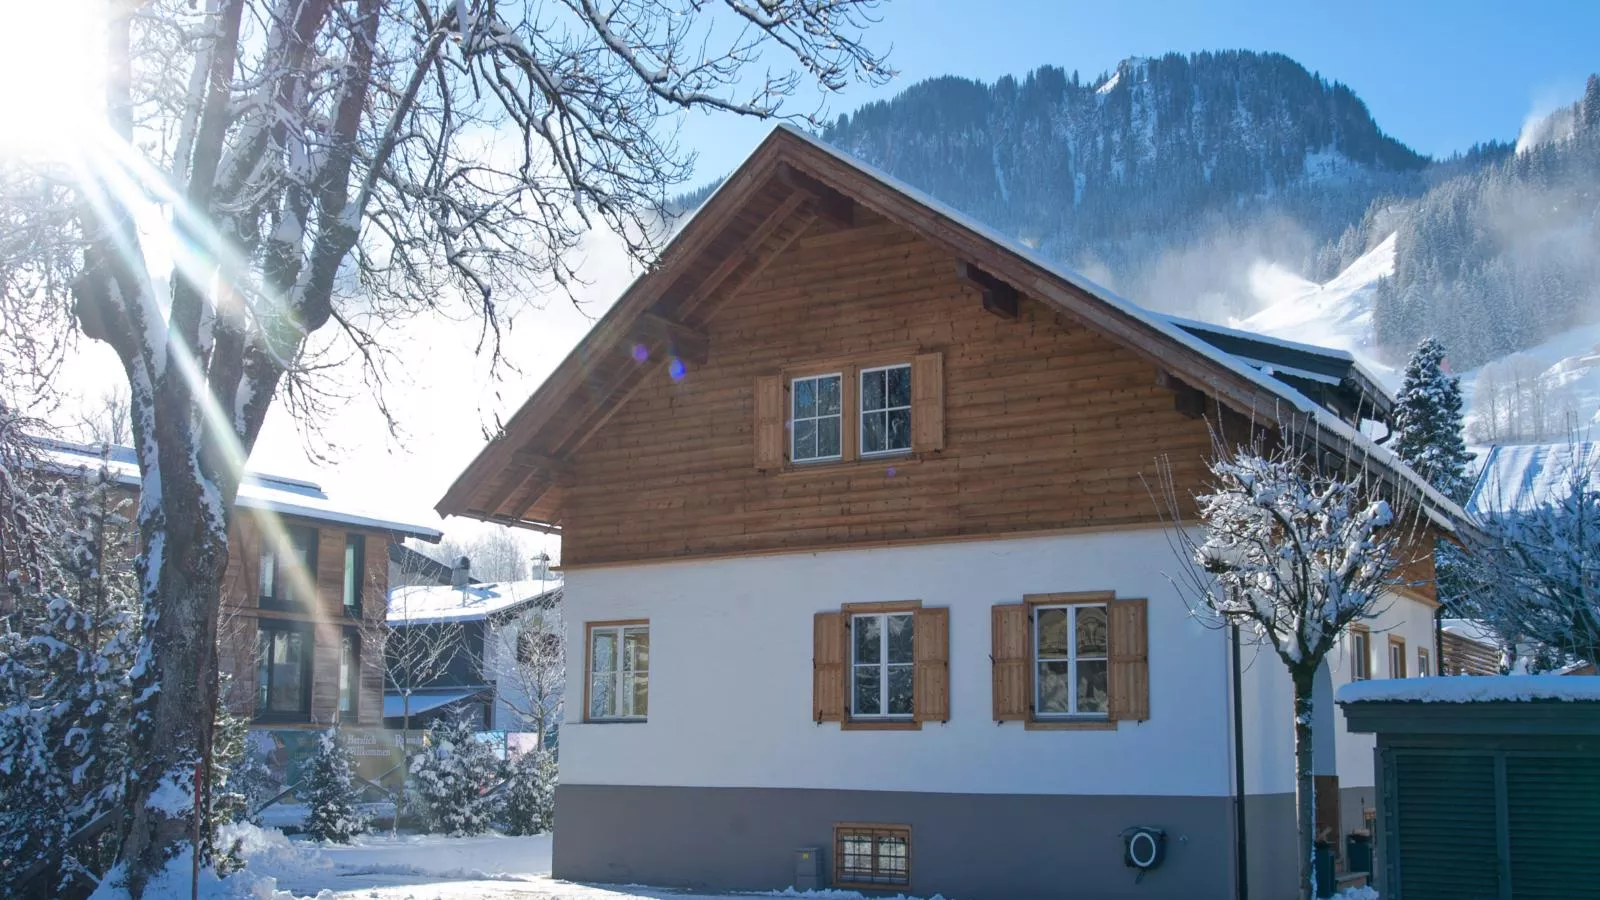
<point>827,667</point>
<point>931,693</point>
<point>1130,660</point>
<point>927,402</point>
<point>769,422</point>
<point>1013,688</point>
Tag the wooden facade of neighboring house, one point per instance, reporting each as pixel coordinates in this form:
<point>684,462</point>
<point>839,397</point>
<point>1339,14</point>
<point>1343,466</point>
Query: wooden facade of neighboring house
<point>298,647</point>
<point>864,542</point>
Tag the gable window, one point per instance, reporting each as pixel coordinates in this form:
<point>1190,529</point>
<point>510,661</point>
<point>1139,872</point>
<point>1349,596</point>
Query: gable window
<point>1424,663</point>
<point>1397,658</point>
<point>1360,653</point>
<point>886,410</point>
<point>1070,659</point>
<point>619,671</point>
<point>349,677</point>
<point>882,665</point>
<point>287,582</point>
<point>354,564</point>
<point>816,418</point>
<point>871,856</point>
<point>283,672</point>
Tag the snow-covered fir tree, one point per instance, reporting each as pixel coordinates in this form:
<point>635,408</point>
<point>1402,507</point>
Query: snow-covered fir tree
<point>329,790</point>
<point>528,800</point>
<point>68,632</point>
<point>1428,419</point>
<point>451,779</point>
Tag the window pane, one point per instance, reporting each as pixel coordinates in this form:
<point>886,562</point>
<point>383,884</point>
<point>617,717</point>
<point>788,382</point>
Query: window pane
<point>856,856</point>
<point>901,679</point>
<point>828,436</point>
<point>602,697</point>
<point>636,650</point>
<point>902,643</point>
<point>900,386</point>
<point>805,439</point>
<point>640,695</point>
<point>867,689</point>
<point>263,668</point>
<point>874,436</point>
<point>287,666</point>
<point>352,578</point>
<point>899,428</point>
<point>1055,694</point>
<point>805,398</point>
<point>892,858</point>
<point>347,673</point>
<point>603,652</point>
<point>1092,696</point>
<point>269,572</point>
<point>1091,631</point>
<point>1051,626</point>
<point>868,632</point>
<point>872,390</point>
<point>828,396</point>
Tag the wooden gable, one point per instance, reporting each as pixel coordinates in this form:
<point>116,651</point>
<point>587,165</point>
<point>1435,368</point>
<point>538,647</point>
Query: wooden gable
<point>1047,424</point>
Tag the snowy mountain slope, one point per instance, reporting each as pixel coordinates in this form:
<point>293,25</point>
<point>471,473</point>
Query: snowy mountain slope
<point>1336,313</point>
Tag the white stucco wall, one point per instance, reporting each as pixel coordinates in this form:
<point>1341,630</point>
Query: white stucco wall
<point>730,674</point>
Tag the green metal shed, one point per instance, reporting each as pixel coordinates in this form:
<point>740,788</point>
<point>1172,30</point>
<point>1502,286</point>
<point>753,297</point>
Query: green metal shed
<point>1489,787</point>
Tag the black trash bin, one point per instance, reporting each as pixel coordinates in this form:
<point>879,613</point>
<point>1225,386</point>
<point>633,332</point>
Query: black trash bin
<point>1358,850</point>
<point>1325,880</point>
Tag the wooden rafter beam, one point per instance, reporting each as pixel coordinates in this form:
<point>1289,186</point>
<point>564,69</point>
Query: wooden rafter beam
<point>831,205</point>
<point>999,297</point>
<point>687,343</point>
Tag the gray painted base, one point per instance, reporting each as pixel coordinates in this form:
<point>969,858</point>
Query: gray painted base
<point>967,846</point>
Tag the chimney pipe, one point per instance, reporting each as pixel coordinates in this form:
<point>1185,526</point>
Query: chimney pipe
<point>459,572</point>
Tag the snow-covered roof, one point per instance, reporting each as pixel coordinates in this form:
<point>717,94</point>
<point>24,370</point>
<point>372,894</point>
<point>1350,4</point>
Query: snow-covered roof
<point>430,603</point>
<point>257,490</point>
<point>1473,689</point>
<point>1444,512</point>
<point>394,702</point>
<point>1522,478</point>
<point>1471,629</point>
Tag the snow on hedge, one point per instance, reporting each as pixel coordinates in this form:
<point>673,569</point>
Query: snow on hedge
<point>1474,689</point>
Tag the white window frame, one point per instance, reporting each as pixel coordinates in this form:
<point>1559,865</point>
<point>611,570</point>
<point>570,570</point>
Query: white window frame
<point>883,665</point>
<point>622,701</point>
<point>862,412</point>
<point>1071,659</point>
<point>1424,663</point>
<point>795,419</point>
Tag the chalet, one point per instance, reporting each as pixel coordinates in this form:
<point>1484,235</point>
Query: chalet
<point>303,597</point>
<point>863,564</point>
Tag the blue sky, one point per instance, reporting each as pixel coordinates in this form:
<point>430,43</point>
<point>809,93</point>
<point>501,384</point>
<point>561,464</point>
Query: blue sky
<point>1439,76</point>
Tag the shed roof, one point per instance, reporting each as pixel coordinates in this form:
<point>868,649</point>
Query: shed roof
<point>430,603</point>
<point>1523,477</point>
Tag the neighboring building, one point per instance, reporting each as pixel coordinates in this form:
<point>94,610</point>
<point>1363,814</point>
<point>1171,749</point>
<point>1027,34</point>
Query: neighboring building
<point>863,552</point>
<point>1468,648</point>
<point>474,651</point>
<point>407,568</point>
<point>303,598</point>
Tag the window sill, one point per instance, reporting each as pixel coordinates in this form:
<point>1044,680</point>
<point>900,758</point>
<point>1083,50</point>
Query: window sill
<point>1070,725</point>
<point>879,886</point>
<point>637,720</point>
<point>835,467</point>
<point>881,725</point>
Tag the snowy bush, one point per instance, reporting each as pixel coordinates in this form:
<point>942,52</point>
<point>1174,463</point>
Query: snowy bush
<point>528,800</point>
<point>451,779</point>
<point>329,791</point>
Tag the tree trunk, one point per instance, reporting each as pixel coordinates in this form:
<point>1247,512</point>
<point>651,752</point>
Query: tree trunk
<point>175,690</point>
<point>1305,802</point>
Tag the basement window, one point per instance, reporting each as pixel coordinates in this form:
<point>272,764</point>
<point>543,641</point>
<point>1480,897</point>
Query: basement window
<point>871,856</point>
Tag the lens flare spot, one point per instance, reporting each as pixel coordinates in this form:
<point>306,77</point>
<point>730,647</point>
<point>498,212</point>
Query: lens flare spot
<point>890,472</point>
<point>675,369</point>
<point>640,354</point>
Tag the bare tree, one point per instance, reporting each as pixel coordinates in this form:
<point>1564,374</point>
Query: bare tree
<point>328,166</point>
<point>109,422</point>
<point>534,675</point>
<point>1294,554</point>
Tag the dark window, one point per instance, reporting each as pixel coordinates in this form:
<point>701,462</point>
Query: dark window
<point>283,672</point>
<point>355,564</point>
<point>871,855</point>
<point>283,584</point>
<point>349,677</point>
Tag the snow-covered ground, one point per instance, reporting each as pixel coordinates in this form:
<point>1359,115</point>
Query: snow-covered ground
<point>427,867</point>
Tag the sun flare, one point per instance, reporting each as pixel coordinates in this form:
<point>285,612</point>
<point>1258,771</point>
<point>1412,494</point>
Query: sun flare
<point>51,71</point>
